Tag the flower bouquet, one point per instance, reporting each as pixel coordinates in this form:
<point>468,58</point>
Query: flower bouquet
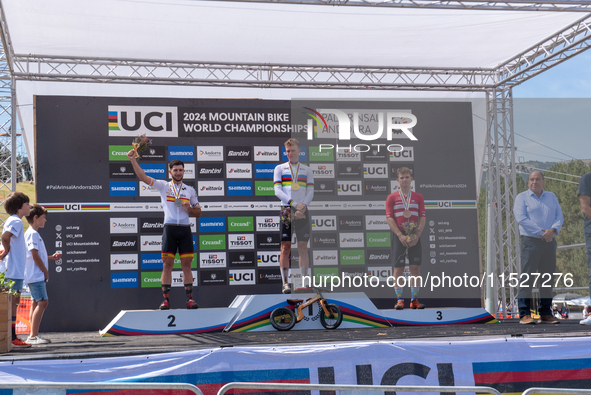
<point>410,230</point>
<point>141,143</point>
<point>286,215</point>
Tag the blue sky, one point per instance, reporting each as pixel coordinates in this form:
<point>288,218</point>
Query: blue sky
<point>554,109</point>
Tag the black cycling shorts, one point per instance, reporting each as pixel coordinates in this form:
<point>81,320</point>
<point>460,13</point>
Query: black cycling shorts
<point>177,238</point>
<point>400,253</point>
<point>301,227</point>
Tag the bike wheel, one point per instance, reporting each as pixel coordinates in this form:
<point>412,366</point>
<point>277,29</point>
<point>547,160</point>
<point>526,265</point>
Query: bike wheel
<point>334,321</point>
<point>282,319</point>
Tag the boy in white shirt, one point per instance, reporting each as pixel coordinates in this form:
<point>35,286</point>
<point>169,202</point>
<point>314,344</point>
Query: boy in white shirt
<point>13,256</point>
<point>36,273</point>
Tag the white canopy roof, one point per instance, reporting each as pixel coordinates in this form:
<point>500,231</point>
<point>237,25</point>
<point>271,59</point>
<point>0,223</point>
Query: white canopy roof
<point>237,32</point>
<point>244,33</point>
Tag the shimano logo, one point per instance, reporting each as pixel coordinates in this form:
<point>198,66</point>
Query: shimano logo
<point>181,153</point>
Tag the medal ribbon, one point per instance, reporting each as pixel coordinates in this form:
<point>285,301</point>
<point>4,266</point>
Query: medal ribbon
<point>177,193</point>
<point>296,173</point>
<point>406,199</point>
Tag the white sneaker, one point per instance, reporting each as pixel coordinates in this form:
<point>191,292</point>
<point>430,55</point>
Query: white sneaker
<point>37,340</point>
<point>586,321</point>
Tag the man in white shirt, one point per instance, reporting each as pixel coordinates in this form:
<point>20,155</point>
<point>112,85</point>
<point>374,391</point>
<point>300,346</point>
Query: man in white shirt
<point>294,186</point>
<point>179,202</point>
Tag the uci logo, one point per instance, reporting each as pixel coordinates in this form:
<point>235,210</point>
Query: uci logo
<point>151,121</point>
<point>72,207</point>
<point>243,277</point>
<point>395,120</point>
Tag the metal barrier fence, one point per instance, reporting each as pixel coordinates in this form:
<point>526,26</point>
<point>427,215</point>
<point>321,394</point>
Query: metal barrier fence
<point>145,388</point>
<point>355,388</point>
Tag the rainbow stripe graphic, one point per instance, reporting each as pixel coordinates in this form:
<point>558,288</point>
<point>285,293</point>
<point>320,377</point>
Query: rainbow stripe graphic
<point>514,377</point>
<point>113,120</point>
<point>316,115</point>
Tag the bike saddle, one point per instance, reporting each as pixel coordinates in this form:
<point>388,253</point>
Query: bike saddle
<point>293,302</point>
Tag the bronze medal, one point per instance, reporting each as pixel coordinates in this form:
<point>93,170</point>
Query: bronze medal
<point>406,213</point>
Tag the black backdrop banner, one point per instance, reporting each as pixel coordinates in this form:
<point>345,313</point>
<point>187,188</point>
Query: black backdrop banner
<point>108,224</point>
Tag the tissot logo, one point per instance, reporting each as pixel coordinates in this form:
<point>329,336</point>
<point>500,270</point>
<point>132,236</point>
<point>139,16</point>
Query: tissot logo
<point>324,222</point>
<point>210,153</point>
<point>123,225</point>
<point>241,259</point>
<point>267,224</point>
<point>406,155</point>
<point>322,170</point>
<point>345,188</point>
<point>375,171</point>
<point>266,258</point>
<point>269,154</point>
<point>238,154</point>
<point>212,259</point>
<point>241,277</point>
<point>210,171</point>
<point>124,262</point>
<point>177,278</point>
<point>124,243</point>
<point>348,155</point>
<point>241,241</point>
<point>325,257</point>
<point>127,121</point>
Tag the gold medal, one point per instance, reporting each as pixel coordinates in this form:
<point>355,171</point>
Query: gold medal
<point>294,186</point>
<point>406,214</point>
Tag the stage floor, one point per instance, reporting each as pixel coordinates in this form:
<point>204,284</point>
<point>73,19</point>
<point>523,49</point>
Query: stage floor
<point>83,345</point>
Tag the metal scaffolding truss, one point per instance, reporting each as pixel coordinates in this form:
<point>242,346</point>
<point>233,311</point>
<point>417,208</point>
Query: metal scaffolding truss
<point>549,52</point>
<point>503,237</point>
<point>515,5</point>
<point>495,81</point>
